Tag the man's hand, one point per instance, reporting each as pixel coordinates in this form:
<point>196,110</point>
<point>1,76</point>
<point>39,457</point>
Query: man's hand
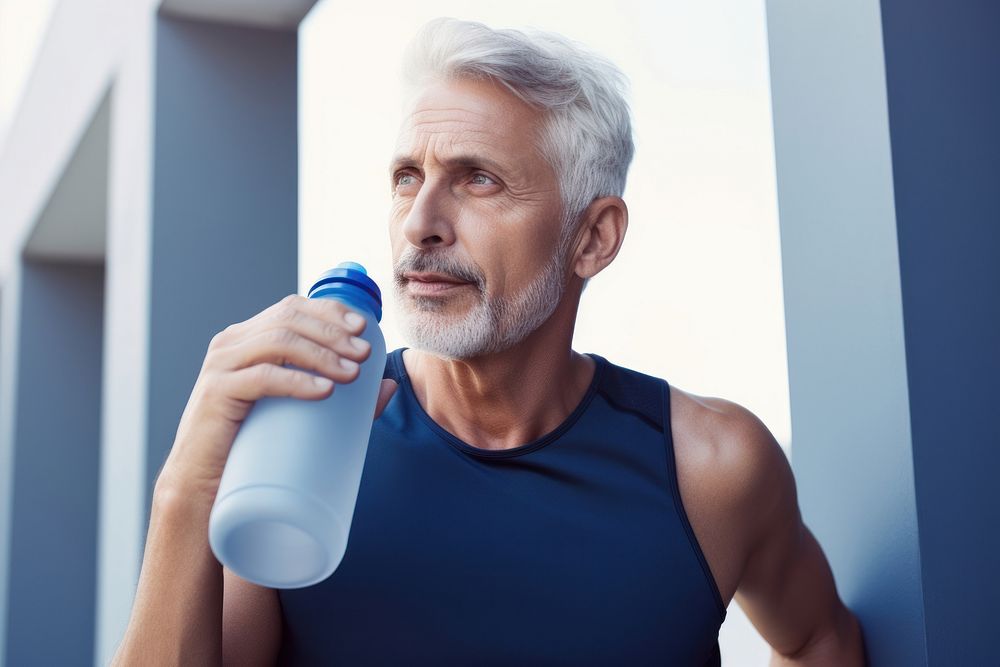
<point>246,362</point>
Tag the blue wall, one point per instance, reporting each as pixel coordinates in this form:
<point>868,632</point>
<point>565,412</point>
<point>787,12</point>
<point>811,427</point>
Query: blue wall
<point>943,81</point>
<point>53,554</point>
<point>225,198</point>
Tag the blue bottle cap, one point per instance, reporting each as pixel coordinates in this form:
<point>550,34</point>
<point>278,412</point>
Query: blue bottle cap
<point>349,281</point>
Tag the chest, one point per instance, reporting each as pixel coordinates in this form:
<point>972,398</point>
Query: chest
<point>564,559</point>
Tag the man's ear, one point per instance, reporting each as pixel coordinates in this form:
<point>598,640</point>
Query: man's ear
<point>600,234</point>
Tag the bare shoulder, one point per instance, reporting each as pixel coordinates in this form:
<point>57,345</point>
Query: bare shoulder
<point>734,479</point>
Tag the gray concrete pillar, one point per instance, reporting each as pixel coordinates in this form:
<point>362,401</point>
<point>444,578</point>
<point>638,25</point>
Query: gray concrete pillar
<point>942,62</point>
<point>202,233</point>
<point>50,407</point>
<point>55,462</point>
<point>225,197</point>
<point>9,306</point>
<point>851,440</point>
<point>886,144</point>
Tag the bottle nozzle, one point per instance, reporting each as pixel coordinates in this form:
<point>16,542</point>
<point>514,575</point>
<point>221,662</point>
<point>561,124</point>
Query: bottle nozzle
<point>353,266</point>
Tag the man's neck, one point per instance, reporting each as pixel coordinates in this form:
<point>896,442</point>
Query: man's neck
<point>506,399</point>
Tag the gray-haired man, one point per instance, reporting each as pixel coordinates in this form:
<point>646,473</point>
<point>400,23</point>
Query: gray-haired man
<point>521,503</point>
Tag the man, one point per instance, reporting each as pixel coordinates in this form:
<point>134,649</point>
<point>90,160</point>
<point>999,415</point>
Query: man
<point>521,503</point>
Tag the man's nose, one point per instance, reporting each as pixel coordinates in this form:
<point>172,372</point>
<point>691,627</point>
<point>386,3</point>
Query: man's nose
<point>429,222</point>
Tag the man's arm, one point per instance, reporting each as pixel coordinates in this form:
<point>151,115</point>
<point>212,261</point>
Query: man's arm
<point>186,611</point>
<point>251,623</point>
<point>178,604</point>
<point>786,587</point>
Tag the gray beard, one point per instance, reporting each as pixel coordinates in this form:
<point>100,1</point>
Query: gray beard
<point>491,326</point>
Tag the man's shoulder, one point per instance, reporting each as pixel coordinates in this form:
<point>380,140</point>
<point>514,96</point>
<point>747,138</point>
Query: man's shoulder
<point>727,432</point>
<point>733,475</point>
<point>722,444</point>
<point>727,446</point>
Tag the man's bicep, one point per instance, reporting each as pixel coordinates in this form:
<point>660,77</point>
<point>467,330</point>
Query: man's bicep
<point>251,623</point>
<point>787,588</point>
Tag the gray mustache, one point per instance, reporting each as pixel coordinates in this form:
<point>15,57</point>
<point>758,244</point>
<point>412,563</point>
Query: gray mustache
<point>436,263</point>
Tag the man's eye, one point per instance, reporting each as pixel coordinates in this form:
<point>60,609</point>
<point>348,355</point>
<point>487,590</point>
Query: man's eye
<point>403,179</point>
<point>482,179</point>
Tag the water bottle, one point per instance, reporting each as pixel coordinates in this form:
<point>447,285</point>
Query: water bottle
<point>287,494</point>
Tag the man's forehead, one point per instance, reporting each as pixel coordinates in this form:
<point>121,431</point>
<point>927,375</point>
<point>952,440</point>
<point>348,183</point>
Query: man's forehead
<point>454,160</point>
<point>461,127</point>
<point>448,134</point>
<point>475,100</point>
<point>467,111</point>
<point>468,123</point>
<point>461,146</point>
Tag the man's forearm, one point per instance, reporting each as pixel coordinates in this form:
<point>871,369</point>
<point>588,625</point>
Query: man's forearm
<point>177,615</point>
<point>841,646</point>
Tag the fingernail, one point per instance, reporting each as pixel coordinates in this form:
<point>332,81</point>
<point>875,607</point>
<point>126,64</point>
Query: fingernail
<point>322,382</point>
<point>359,344</point>
<point>354,320</point>
<point>349,365</point>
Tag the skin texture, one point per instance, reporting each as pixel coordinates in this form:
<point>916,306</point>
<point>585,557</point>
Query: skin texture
<point>497,213</point>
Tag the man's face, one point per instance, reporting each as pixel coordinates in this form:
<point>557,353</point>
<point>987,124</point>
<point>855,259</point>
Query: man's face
<point>476,221</point>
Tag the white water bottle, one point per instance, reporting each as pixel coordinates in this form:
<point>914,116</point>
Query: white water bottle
<point>285,503</point>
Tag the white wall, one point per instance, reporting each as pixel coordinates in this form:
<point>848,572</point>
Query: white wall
<point>703,236</point>
<point>22,26</point>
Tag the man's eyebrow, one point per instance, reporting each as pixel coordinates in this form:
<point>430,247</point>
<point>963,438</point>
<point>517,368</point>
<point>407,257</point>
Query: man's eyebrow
<point>465,160</point>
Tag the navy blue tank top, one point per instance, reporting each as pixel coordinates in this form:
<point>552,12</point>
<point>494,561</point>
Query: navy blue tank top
<point>573,549</point>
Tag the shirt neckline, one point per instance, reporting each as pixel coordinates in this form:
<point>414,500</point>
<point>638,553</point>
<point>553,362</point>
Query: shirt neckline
<point>520,450</point>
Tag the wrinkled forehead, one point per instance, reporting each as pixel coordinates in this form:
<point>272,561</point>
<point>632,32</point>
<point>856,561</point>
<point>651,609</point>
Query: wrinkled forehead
<point>469,114</point>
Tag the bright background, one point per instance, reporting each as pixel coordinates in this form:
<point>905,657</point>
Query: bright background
<point>22,26</point>
<point>695,294</point>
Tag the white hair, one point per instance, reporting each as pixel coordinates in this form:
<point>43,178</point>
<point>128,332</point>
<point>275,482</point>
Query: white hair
<point>587,132</point>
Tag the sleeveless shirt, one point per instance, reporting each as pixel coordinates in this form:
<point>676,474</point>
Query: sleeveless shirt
<point>573,549</point>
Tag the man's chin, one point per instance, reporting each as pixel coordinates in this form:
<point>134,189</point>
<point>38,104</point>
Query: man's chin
<point>443,337</point>
<point>443,352</point>
<point>432,312</point>
<point>438,354</point>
